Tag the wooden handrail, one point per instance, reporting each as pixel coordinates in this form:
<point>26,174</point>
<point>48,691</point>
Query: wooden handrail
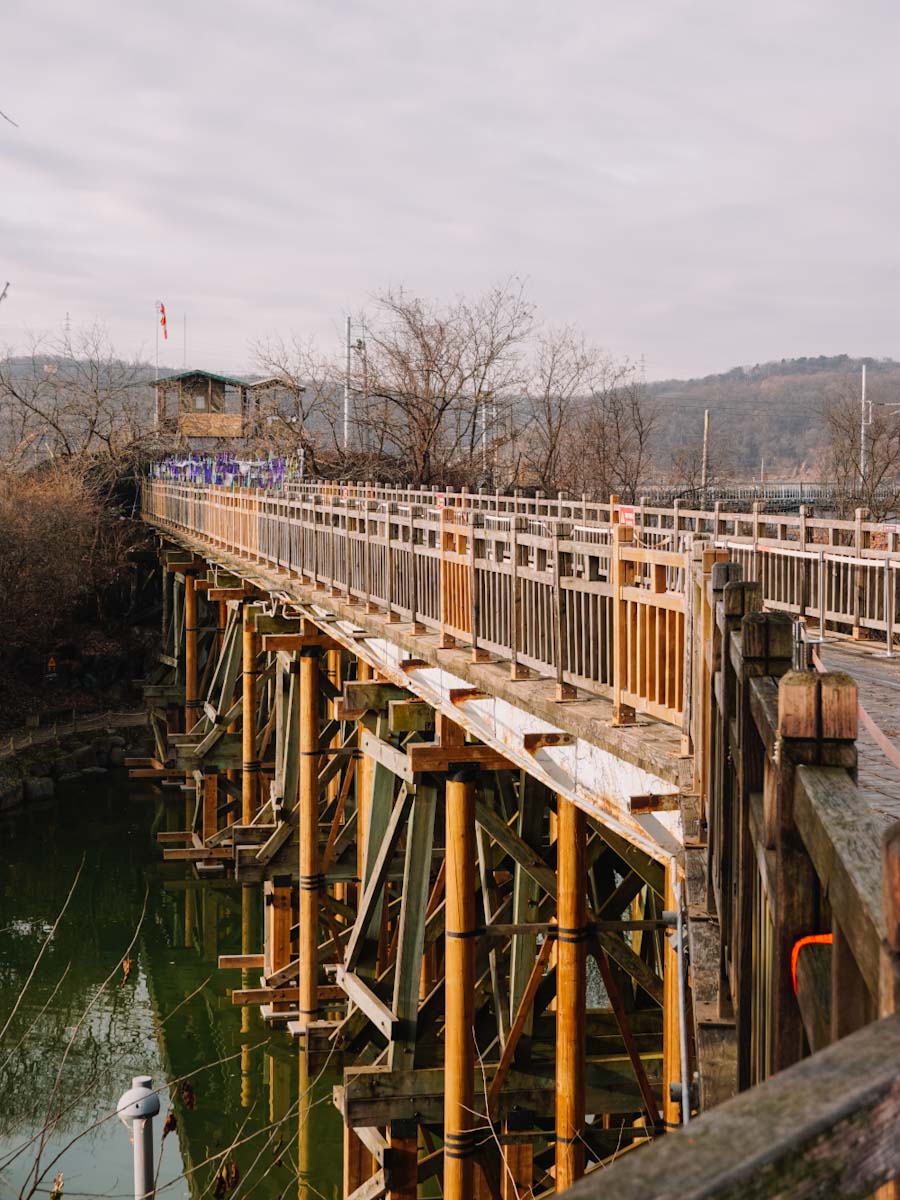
<point>826,1127</point>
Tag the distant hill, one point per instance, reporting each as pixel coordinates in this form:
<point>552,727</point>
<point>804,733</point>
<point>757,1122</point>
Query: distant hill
<point>770,413</point>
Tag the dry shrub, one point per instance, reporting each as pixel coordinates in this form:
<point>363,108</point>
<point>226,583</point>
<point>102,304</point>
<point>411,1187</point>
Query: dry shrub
<point>55,552</point>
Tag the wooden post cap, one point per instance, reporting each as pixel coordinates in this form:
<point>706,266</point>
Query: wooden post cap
<point>742,596</point>
<point>724,573</point>
<point>767,636</point>
<point>813,706</point>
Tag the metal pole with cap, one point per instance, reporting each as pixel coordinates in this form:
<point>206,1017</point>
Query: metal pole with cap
<point>138,1106</point>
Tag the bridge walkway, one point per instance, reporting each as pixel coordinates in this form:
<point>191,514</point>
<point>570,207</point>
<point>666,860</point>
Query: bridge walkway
<point>878,740</point>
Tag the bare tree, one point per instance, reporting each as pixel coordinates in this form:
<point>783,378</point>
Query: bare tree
<point>566,372</point>
<point>432,376</point>
<point>618,427</point>
<point>872,482</point>
<point>310,382</point>
<point>72,395</point>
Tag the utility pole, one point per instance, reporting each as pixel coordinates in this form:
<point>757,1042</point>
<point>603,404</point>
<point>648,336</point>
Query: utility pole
<point>704,469</point>
<point>347,391</point>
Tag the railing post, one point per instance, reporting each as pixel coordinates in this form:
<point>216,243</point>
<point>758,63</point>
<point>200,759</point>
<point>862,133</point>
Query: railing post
<point>416,625</point>
<point>516,670</point>
<point>564,690</point>
<point>447,640</point>
<point>476,522</point>
<point>393,616</point>
<point>623,713</point>
<point>859,575</point>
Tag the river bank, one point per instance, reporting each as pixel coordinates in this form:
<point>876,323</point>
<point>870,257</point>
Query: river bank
<point>233,1085</point>
<point>35,761</point>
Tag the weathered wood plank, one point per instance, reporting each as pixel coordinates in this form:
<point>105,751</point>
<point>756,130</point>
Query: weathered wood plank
<point>843,839</point>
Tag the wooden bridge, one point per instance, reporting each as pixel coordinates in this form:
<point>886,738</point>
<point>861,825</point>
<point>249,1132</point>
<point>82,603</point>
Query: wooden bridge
<point>563,822</point>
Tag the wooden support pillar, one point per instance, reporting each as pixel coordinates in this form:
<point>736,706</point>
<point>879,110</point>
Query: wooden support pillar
<point>210,817</point>
<point>307,1157</point>
<point>363,784</point>
<point>192,701</point>
<point>459,951</point>
<point>249,944</point>
<point>279,1088</point>
<point>278,920</point>
<point>517,1169</point>
<point>672,1073</point>
<point>190,917</point>
<point>359,1165</point>
<point>250,763</point>
<point>402,1161</point>
<point>308,829</point>
<point>571,982</point>
<point>221,623</point>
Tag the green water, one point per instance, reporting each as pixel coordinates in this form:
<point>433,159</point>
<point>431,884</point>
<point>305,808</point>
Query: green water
<point>74,1042</point>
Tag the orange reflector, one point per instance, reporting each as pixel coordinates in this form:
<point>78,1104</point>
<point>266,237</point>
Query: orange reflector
<point>813,939</point>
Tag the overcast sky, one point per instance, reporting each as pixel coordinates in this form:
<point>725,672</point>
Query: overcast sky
<point>698,182</point>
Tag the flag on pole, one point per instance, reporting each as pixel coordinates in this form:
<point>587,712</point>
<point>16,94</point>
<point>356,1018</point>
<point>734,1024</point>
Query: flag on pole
<point>162,318</point>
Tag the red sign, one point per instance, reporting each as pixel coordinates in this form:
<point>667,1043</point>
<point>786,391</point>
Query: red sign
<point>626,514</point>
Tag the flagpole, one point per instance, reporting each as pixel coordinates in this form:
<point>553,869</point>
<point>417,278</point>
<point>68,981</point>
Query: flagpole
<point>156,322</point>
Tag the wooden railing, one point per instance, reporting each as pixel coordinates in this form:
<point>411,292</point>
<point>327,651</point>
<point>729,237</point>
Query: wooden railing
<point>787,847</point>
<point>546,594</point>
<point>533,579</point>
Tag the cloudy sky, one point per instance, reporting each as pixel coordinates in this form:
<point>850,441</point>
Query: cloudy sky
<point>698,182</point>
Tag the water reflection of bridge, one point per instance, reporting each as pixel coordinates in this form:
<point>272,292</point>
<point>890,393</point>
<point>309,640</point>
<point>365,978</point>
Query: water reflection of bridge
<point>248,1091</point>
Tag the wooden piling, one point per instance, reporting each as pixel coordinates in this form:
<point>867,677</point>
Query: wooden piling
<point>308,830</point>
<point>402,1161</point>
<point>363,783</point>
<point>571,983</point>
<point>250,763</point>
<point>459,951</point>
<point>191,699</point>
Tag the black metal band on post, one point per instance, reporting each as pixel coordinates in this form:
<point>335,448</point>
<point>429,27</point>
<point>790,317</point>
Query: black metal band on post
<point>252,768</point>
<point>464,933</point>
<point>310,651</point>
<point>572,935</point>
<point>462,772</point>
<point>312,883</point>
<point>193,704</point>
<point>459,1145</point>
